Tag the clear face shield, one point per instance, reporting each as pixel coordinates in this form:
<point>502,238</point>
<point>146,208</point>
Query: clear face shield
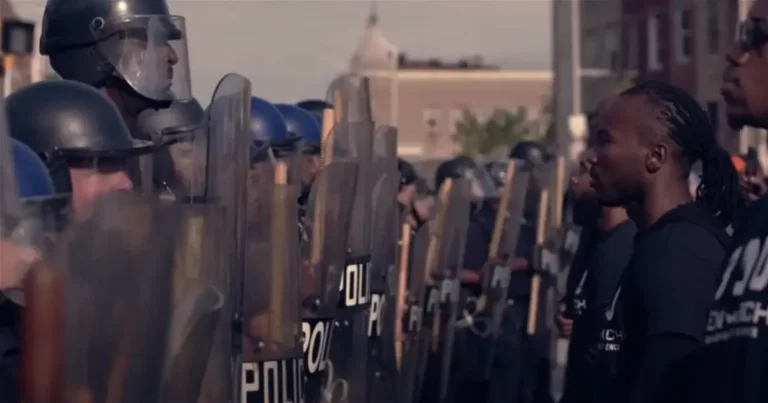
<point>149,52</point>
<point>481,185</point>
<point>181,165</point>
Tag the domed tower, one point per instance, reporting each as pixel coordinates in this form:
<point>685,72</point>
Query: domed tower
<point>374,52</point>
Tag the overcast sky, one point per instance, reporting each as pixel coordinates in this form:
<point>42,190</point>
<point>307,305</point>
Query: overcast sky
<point>291,49</point>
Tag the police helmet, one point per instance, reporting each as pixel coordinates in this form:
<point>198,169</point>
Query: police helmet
<point>268,129</point>
<point>182,116</point>
<point>530,151</point>
<point>68,119</point>
<point>302,125</point>
<point>314,105</point>
<point>319,119</point>
<point>32,177</point>
<point>136,42</point>
<point>407,172</point>
<point>498,172</point>
<point>463,167</point>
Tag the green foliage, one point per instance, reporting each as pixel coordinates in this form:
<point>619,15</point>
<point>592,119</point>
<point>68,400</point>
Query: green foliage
<point>499,132</point>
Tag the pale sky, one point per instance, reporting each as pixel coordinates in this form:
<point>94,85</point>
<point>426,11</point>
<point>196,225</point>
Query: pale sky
<point>291,49</point>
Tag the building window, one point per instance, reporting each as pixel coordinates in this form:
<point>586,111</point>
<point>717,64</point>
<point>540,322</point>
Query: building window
<point>655,42</point>
<point>432,117</point>
<point>455,115</point>
<point>713,26</point>
<point>684,35</point>
<point>714,113</point>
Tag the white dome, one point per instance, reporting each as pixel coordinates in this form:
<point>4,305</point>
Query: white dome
<point>374,52</point>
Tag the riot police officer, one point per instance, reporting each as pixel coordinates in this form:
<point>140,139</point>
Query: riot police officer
<point>176,166</point>
<point>467,373</point>
<point>133,49</point>
<point>16,258</point>
<point>80,135</point>
<point>302,125</point>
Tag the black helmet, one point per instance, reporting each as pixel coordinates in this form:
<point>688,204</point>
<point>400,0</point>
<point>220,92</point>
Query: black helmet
<point>407,172</point>
<point>67,119</point>
<point>180,117</point>
<point>137,42</point>
<point>498,172</point>
<point>530,151</point>
<point>314,105</point>
<point>463,167</point>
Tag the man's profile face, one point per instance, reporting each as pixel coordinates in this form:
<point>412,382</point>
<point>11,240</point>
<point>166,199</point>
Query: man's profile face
<point>745,80</point>
<point>91,182</point>
<point>617,156</point>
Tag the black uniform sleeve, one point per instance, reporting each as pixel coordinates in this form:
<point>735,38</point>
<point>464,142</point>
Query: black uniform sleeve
<point>679,281</point>
<point>526,242</point>
<point>663,352</point>
<point>476,247</point>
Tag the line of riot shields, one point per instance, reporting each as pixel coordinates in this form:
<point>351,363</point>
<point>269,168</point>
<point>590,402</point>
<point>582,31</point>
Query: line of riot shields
<point>225,290</point>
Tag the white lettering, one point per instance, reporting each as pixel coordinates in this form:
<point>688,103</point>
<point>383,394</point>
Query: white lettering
<point>751,252</point>
<point>375,319</point>
<point>728,272</point>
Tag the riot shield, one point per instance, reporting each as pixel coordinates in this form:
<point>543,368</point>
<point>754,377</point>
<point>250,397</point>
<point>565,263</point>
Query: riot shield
<point>273,368</point>
<point>324,232</point>
<point>349,349</point>
<point>437,260</point>
<point>385,218</point>
<point>199,291</point>
<point>116,305</point>
<point>496,273</point>
<point>227,145</point>
<point>351,96</point>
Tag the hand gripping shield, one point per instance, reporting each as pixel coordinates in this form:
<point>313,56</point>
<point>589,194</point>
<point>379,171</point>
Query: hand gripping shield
<point>114,299</point>
<point>272,361</point>
<point>381,361</point>
<point>324,233</point>
<point>226,171</point>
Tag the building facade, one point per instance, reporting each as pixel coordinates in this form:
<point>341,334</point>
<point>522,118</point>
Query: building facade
<point>682,42</point>
<point>425,98</point>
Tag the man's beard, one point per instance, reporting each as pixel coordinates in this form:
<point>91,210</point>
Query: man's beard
<point>586,211</point>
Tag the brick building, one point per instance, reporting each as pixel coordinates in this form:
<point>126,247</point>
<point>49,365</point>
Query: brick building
<point>678,41</point>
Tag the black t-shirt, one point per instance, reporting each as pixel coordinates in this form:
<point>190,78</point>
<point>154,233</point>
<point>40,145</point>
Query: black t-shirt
<point>732,366</point>
<point>666,290</point>
<point>603,265</point>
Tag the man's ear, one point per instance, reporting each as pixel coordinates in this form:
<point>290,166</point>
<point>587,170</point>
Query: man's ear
<point>656,158</point>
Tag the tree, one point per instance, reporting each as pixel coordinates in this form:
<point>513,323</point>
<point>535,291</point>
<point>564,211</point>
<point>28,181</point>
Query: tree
<point>503,129</point>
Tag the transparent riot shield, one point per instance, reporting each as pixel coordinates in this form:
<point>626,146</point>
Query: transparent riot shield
<point>199,292</point>
<point>434,264</point>
<point>273,368</point>
<point>324,233</point>
<point>349,348</point>
<point>485,322</point>
<point>384,238</point>
<point>351,96</point>
<point>227,146</point>
<point>114,301</point>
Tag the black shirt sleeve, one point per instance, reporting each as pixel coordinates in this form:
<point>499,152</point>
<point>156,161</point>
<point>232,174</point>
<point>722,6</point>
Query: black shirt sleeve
<point>679,281</point>
<point>476,247</point>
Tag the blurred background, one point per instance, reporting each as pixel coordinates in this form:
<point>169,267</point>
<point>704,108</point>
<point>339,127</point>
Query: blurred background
<point>469,76</point>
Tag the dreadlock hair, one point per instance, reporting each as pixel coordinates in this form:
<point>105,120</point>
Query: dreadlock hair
<point>691,129</point>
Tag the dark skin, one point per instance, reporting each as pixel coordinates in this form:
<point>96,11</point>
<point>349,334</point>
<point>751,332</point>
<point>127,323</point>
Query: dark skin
<point>609,217</point>
<point>633,162</point>
<point>745,83</point>
<point>745,90</point>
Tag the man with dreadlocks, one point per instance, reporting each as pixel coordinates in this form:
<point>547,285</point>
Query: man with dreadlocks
<point>732,367</point>
<point>647,140</point>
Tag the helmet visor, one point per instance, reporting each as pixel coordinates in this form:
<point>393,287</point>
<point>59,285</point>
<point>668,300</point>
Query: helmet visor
<point>150,53</point>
